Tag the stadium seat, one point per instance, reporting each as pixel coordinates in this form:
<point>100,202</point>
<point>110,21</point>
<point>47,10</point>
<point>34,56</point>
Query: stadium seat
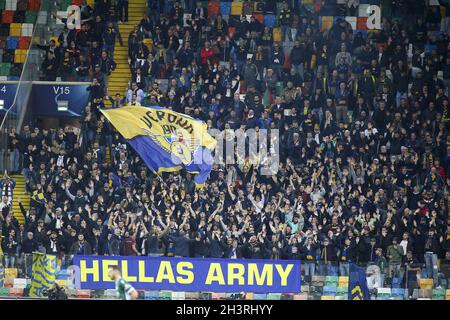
<point>225,8</point>
<point>62,283</point>
<point>12,43</point>
<point>343,281</point>
<point>426,293</point>
<point>83,294</point>
<point>64,4</point>
<point>151,295</point>
<point>8,282</point>
<point>20,283</point>
<point>217,296</point>
<point>277,34</point>
<point>4,291</point>
<point>11,273</point>
<point>304,288</point>
<point>42,17</point>
<point>269,20</point>
<point>301,296</point>
<point>27,29</point>
<point>16,292</point>
<point>192,295</point>
<point>396,282</point>
<point>213,8</point>
<point>260,6</point>
<point>231,32</point>
<point>329,290</point>
<point>19,16</point>
<point>397,292</point>
<point>342,291</point>
<point>11,5</point>
<point>24,43</point>
<point>109,293</point>
<point>248,7</point>
<point>7,16</point>
<point>273,296</point>
<point>287,296</point>
<point>178,295</point>
<point>426,283</point>
<point>30,17</point>
<point>5,67</point>
<point>361,23</point>
<point>34,5</point>
<point>236,8</point>
<point>352,21</point>
<point>439,294</point>
<point>362,10</point>
<point>447,294</point>
<point>341,297</point>
<point>384,292</point>
<point>20,56</point>
<point>327,298</point>
<point>165,295</point>
<point>326,23</point>
<point>22,5</point>
<point>259,296</point>
<point>331,281</point>
<point>259,17</point>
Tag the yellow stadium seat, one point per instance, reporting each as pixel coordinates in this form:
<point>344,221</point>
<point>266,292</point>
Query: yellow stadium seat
<point>327,298</point>
<point>327,23</point>
<point>62,283</point>
<point>249,296</point>
<point>447,294</point>
<point>277,34</point>
<point>236,8</point>
<point>11,273</point>
<point>426,283</point>
<point>15,29</point>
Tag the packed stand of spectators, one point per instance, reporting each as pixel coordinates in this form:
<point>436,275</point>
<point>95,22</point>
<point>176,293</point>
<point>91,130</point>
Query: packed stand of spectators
<point>364,150</point>
<point>81,55</point>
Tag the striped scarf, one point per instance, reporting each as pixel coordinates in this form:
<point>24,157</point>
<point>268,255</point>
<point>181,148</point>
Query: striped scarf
<point>7,190</point>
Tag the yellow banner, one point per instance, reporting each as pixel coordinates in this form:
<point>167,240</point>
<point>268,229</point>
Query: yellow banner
<point>161,125</point>
<point>43,275</point>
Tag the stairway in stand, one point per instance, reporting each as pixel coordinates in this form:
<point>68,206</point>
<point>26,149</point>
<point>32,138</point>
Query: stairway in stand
<point>18,193</point>
<point>118,81</point>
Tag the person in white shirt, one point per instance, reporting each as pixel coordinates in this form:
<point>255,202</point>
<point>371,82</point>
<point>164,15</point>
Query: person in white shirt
<point>136,91</point>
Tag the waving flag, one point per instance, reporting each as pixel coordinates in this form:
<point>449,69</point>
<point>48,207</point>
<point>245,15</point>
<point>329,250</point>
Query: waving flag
<point>167,141</point>
<point>43,274</point>
<point>357,284</point>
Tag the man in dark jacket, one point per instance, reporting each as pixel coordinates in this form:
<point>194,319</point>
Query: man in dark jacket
<point>81,247</point>
<point>327,257</point>
<point>50,67</point>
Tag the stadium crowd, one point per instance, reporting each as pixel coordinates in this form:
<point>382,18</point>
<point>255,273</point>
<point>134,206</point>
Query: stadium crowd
<point>364,145</point>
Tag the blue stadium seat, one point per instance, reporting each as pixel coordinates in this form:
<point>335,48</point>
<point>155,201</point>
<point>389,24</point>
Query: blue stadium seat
<point>329,290</point>
<point>225,8</point>
<point>12,42</point>
<point>269,20</point>
<point>398,292</point>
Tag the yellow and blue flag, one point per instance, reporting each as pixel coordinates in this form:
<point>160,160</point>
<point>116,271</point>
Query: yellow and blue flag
<point>167,141</point>
<point>357,283</point>
<point>43,274</point>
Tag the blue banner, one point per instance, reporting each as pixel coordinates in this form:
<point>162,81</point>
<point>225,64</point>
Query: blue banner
<point>7,94</point>
<point>357,284</point>
<point>192,274</point>
<point>46,95</point>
